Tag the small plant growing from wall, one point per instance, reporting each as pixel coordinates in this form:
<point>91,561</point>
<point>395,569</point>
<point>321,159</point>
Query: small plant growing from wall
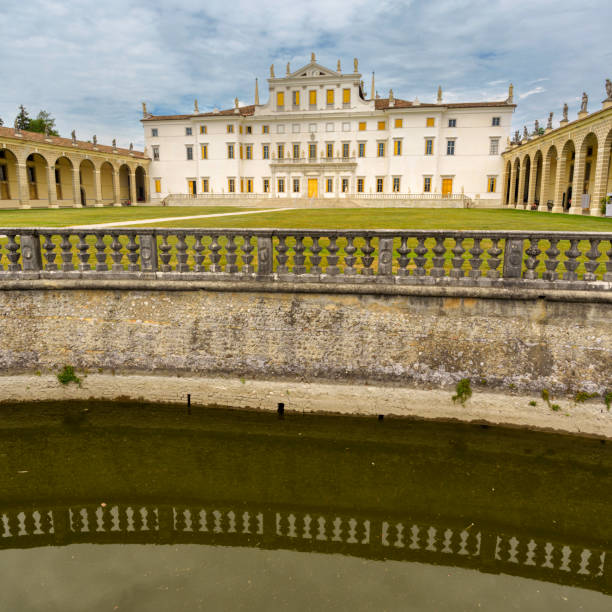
<point>463,391</point>
<point>583,396</point>
<point>67,376</point>
<point>546,396</point>
<point>608,399</point>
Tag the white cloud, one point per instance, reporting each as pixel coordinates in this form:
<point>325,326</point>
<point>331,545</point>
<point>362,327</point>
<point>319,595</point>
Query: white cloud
<point>531,92</point>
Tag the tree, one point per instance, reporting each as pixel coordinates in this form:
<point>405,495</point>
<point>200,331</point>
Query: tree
<point>1,122</point>
<point>22,121</point>
<point>43,123</point>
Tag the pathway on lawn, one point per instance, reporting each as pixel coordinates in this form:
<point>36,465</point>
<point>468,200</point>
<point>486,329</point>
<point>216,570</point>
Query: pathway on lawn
<point>166,219</point>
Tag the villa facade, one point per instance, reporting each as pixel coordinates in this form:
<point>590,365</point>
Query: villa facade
<point>319,136</point>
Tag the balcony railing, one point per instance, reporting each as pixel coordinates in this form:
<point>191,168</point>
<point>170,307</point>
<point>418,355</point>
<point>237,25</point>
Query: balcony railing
<point>494,259</point>
<point>313,160</point>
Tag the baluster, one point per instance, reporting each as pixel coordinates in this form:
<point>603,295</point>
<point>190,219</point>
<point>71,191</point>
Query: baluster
<point>165,254</point>
<point>13,254</point>
<point>420,259</point>
<point>66,247</point>
<point>403,260</point>
<point>350,259</point>
<point>332,259</point>
<point>181,253</point>
<point>231,267</point>
<point>299,258</point>
<point>366,259</point>
<point>281,257</point>
<point>132,248</point>
<point>494,260</point>
<point>199,255</point>
<point>83,254</point>
<point>476,261</point>
<point>247,257</point>
<point>315,259</point>
<point>532,259</point>
<point>101,265</point>
<point>215,256</point>
<point>1,258</point>
<point>116,254</point>
<point>572,261</point>
<point>437,270</point>
<point>552,261</point>
<point>592,264</point>
<point>608,274</point>
<point>50,253</point>
<point>457,260</point>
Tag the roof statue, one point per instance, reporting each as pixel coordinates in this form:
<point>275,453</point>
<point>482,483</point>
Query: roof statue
<point>565,110</point>
<point>256,91</point>
<point>517,137</point>
<point>47,133</point>
<point>272,71</point>
<point>144,109</point>
<point>439,94</point>
<point>355,65</point>
<point>235,102</point>
<point>114,143</point>
<point>549,124</point>
<point>288,69</point>
<point>391,98</point>
<point>609,89</point>
<point>585,101</point>
<point>536,127</point>
<point>338,67</point>
<point>525,132</point>
<point>196,109</point>
<point>373,91</point>
<point>313,57</point>
<point>510,97</point>
<point>131,146</point>
<point>73,134</point>
<point>95,140</point>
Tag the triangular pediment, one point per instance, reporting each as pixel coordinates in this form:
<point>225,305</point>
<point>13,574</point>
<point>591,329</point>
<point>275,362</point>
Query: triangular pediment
<point>312,70</point>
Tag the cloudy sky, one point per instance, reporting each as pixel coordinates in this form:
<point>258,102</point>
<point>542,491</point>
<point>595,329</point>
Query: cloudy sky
<point>91,63</point>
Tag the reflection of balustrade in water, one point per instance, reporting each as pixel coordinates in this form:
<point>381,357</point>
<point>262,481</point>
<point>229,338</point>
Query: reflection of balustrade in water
<point>531,557</point>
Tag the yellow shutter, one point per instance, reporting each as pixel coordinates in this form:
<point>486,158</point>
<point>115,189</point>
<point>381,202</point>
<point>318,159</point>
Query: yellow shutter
<point>397,147</point>
<point>157,185</point>
<point>346,96</point>
<point>381,125</point>
<point>330,96</point>
<point>362,126</point>
<point>202,129</point>
<point>204,152</point>
<point>399,123</point>
<point>296,95</point>
<point>312,97</point>
<point>431,122</point>
<point>280,98</point>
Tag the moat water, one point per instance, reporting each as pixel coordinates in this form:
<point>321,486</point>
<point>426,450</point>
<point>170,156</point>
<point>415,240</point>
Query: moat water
<point>143,507</point>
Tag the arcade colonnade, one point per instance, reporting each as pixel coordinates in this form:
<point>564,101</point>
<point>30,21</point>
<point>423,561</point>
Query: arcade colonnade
<point>38,171</point>
<point>567,169</point>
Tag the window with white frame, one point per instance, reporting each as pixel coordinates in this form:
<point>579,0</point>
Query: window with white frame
<point>452,123</point>
<point>189,152</point>
<point>379,184</point>
<point>450,147</point>
<point>346,126</point>
<point>494,146</point>
<point>329,127</point>
<point>496,121</point>
<point>396,184</point>
<point>188,131</point>
<point>295,128</point>
<point>156,153</point>
<point>154,133</point>
<point>296,185</point>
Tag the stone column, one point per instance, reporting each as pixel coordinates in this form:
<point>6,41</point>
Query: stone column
<point>544,184</point>
<point>132,186</point>
<point>116,188</point>
<point>22,182</point>
<point>578,182</point>
<point>533,181</point>
<point>511,188</point>
<point>51,186</point>
<point>147,187</point>
<point>601,179</point>
<point>559,182</point>
<point>521,186</point>
<point>76,188</point>
<point>505,191</point>
<point>98,188</point>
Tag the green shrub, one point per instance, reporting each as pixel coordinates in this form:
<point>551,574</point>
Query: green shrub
<point>555,407</point>
<point>463,391</point>
<point>533,403</point>
<point>67,375</point>
<point>582,396</point>
<point>608,399</point>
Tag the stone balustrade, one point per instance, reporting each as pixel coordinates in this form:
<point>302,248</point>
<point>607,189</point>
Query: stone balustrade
<point>420,257</point>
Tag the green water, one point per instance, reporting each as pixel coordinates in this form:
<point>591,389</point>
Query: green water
<point>141,507</point>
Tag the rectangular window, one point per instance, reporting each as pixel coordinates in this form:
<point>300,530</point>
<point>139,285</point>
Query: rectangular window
<point>249,151</point>
<point>155,153</point>
<point>330,150</point>
<point>203,129</point>
<point>346,126</point>
<point>296,185</point>
<point>496,122</point>
<point>231,185</point>
<point>329,127</point>
<point>188,131</point>
<point>249,129</point>
<point>266,185</point>
<point>329,185</point>
<point>381,149</point>
<point>296,151</point>
<point>492,184</point>
<point>280,100</point>
<point>346,96</point>
<point>312,127</point>
<point>189,150</point>
<point>431,122</point>
<point>157,185</point>
<point>154,133</point>
<point>452,123</point>
<point>192,187</point>
<point>295,128</point>
<point>312,97</point>
<point>362,126</point>
<point>494,146</point>
<point>249,185</point>
<point>345,184</point>
<point>450,147</point>
<point>230,151</point>
<point>379,185</point>
<point>312,151</point>
<point>359,185</point>
<point>382,125</point>
<point>205,185</point>
<point>296,99</point>
<point>281,185</point>
<point>265,129</point>
<point>329,97</point>
<point>204,150</point>
<point>345,150</point>
<point>399,123</point>
<point>428,146</point>
<point>241,151</point>
<point>280,129</point>
<point>396,184</point>
<point>265,151</point>
<point>230,129</point>
<point>280,151</point>
<point>397,147</point>
<point>427,184</point>
<point>362,149</point>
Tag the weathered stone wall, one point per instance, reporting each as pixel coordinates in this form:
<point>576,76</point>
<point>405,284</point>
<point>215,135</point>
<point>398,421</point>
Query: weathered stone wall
<point>526,343</point>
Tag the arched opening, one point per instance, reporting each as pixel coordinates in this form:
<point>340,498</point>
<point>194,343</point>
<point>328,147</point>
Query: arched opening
<point>36,175</point>
<point>141,183</point>
<point>9,183</point>
<point>507,185</point>
<point>588,157</point>
<point>548,183</point>
<point>107,184</point>
<point>527,178</point>
<point>124,183</point>
<point>87,183</point>
<point>568,156</point>
<point>536,177</point>
<point>63,182</point>
<point>515,188</point>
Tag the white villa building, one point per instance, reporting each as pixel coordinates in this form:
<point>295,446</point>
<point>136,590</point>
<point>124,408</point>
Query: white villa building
<point>319,136</point>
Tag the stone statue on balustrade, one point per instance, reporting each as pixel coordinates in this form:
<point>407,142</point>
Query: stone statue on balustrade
<point>609,89</point>
<point>517,137</point>
<point>525,132</point>
<point>549,124</point>
<point>536,127</point>
<point>585,101</point>
<point>565,111</point>
<point>73,134</point>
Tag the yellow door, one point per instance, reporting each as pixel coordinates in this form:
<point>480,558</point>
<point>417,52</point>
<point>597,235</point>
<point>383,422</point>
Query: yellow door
<point>447,186</point>
<point>313,188</point>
